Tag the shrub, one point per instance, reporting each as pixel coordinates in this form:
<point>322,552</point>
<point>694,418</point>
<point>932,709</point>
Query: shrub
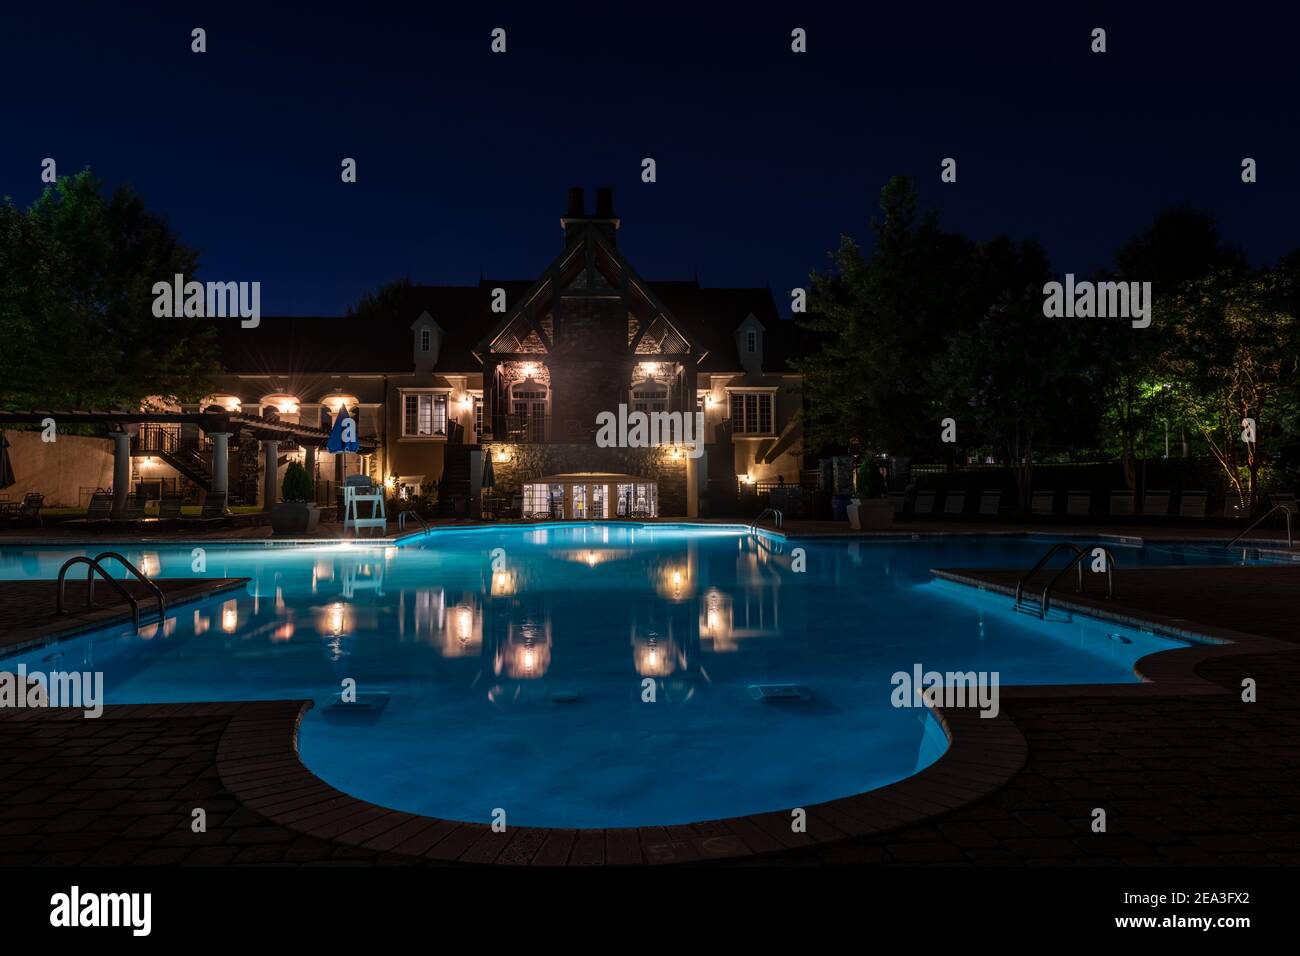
<point>297,485</point>
<point>870,482</point>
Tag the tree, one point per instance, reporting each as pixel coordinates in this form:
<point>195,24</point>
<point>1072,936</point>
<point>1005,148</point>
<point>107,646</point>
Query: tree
<point>1179,246</point>
<point>386,302</point>
<point>884,318</point>
<point>1015,376</point>
<point>1234,358</point>
<point>76,304</point>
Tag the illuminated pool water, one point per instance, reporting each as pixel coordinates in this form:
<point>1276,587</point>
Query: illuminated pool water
<point>595,675</point>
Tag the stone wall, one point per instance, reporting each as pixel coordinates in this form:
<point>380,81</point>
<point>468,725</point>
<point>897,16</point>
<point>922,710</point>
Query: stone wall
<point>529,462</point>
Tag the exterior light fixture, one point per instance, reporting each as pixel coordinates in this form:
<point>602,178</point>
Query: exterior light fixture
<point>529,369</point>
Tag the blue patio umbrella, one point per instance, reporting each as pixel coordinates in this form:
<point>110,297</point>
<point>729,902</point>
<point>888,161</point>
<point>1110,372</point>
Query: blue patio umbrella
<point>336,442</point>
<point>6,466</point>
<point>489,473</point>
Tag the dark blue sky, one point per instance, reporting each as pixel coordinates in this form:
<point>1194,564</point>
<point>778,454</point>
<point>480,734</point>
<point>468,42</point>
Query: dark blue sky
<point>764,157</point>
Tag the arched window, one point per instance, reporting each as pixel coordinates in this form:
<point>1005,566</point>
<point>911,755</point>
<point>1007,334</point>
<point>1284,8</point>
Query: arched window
<point>528,410</point>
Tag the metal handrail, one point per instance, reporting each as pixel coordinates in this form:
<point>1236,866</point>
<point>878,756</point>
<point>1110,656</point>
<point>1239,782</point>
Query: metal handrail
<point>775,512</point>
<point>401,520</point>
<point>94,566</point>
<point>1020,585</point>
<point>139,576</point>
<point>1077,562</point>
<point>1282,508</point>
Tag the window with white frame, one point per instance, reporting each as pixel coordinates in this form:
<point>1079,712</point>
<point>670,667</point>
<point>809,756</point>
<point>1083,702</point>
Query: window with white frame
<point>751,413</point>
<point>424,415</point>
<point>426,340</point>
<point>751,341</point>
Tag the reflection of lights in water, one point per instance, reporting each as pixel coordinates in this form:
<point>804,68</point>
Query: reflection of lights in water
<point>464,623</point>
<point>148,565</point>
<point>230,616</point>
<point>653,656</point>
<point>591,559</point>
<point>336,618</point>
<point>201,623</point>
<point>335,649</point>
<point>530,658</point>
<point>284,632</point>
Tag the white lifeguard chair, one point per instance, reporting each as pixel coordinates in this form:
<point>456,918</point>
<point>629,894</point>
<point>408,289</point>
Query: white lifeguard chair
<point>356,490</point>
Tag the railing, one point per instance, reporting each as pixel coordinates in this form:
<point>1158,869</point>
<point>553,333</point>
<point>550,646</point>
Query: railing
<point>94,567</point>
<point>1262,518</point>
<point>1075,563</point>
<point>521,428</point>
<point>401,520</point>
<point>776,514</point>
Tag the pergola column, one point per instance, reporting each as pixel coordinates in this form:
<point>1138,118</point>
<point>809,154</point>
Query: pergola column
<point>271,464</point>
<point>220,462</point>
<point>310,463</point>
<point>121,471</point>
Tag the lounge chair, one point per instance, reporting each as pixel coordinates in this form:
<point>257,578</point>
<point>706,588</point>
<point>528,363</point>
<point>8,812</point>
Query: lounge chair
<point>1043,502</point>
<point>1192,504</point>
<point>924,504</point>
<point>954,501</point>
<point>169,507</point>
<point>1121,502</point>
<point>1078,503</point>
<point>1155,504</point>
<point>135,506</point>
<point>214,506</point>
<point>28,510</point>
<point>990,502</point>
<point>100,507</point>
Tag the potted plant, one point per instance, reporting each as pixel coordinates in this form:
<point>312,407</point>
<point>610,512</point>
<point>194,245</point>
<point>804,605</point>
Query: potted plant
<point>296,512</point>
<point>869,509</point>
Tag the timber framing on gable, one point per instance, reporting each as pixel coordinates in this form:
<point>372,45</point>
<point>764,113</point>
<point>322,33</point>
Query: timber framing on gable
<point>589,266</point>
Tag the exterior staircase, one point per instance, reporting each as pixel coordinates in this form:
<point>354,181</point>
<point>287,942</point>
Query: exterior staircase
<point>192,457</point>
<point>454,486</point>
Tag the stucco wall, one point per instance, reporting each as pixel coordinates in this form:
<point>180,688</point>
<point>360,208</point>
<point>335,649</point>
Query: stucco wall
<point>58,469</point>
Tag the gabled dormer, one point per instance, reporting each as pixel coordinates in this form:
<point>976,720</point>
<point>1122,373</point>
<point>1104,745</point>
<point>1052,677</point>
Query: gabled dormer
<point>749,344</point>
<point>426,341</point>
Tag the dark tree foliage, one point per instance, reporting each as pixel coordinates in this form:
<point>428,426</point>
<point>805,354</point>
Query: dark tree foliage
<point>77,327</point>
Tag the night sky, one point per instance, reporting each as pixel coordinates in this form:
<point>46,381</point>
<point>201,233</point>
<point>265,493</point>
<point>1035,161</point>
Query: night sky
<point>764,157</point>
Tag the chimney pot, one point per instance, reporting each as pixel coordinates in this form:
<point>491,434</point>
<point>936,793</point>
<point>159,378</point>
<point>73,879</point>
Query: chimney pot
<point>577,207</point>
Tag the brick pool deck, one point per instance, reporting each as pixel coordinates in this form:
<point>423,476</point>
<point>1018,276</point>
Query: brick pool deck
<point>1186,772</point>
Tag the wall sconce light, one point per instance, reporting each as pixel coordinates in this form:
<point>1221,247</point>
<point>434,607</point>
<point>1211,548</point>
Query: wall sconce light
<point>501,455</point>
<point>529,369</point>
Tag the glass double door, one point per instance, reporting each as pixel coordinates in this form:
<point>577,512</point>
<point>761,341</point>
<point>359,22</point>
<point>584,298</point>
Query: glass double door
<point>587,502</point>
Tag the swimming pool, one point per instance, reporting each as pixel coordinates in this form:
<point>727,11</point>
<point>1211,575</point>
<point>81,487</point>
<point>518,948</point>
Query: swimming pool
<point>595,675</point>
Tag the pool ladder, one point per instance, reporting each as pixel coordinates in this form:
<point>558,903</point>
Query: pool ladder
<point>94,566</point>
<point>1261,519</point>
<point>401,521</point>
<point>775,512</point>
<point>1076,563</point>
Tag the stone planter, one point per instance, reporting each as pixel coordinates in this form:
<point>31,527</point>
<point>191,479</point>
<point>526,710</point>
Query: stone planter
<point>294,517</point>
<point>870,514</point>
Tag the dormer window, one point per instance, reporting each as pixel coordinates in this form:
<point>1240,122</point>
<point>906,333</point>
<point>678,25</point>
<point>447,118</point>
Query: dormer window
<point>426,339</point>
<point>751,341</point>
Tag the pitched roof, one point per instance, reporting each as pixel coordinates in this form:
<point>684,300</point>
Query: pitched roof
<point>341,344</point>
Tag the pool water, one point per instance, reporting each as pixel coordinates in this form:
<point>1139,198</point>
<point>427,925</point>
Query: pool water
<point>595,675</point>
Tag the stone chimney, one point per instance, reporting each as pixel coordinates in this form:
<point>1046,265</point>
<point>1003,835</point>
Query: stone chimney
<point>575,218</point>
